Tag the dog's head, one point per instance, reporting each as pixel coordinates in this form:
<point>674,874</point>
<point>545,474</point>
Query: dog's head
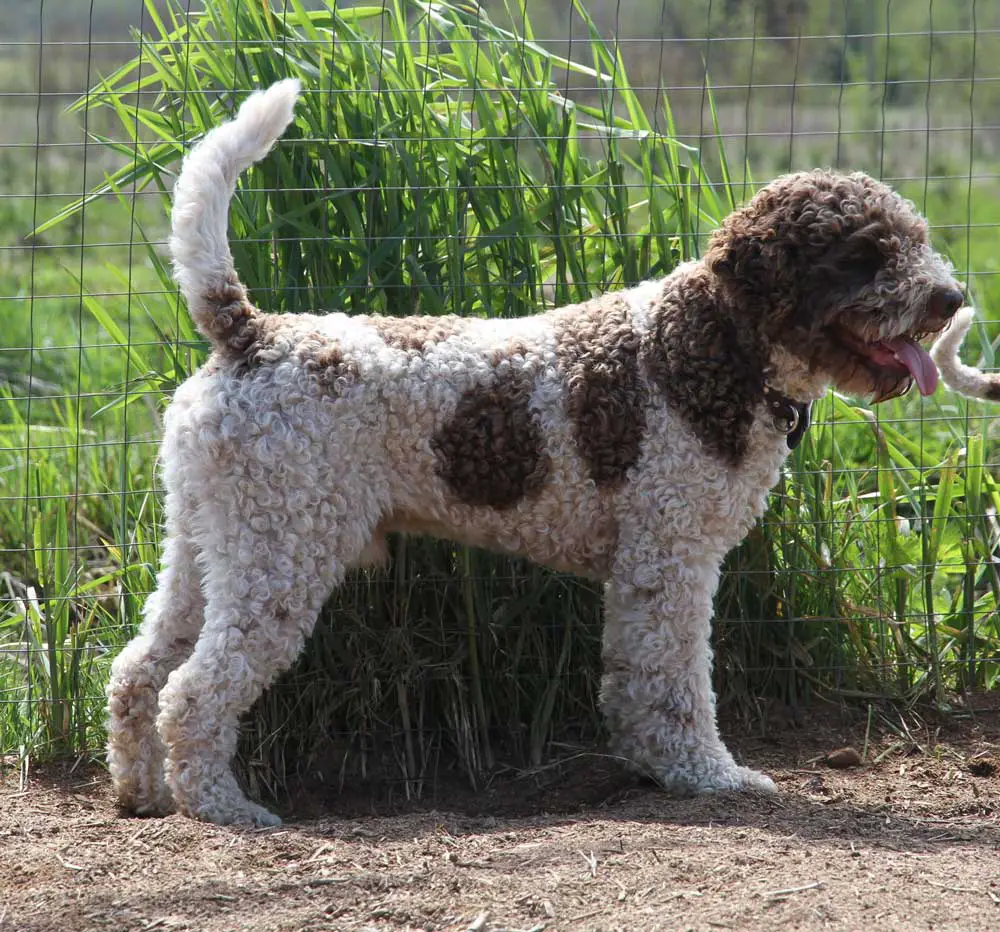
<point>838,270</point>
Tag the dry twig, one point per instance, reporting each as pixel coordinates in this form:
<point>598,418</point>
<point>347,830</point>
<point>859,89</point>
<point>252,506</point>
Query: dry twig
<point>788,891</point>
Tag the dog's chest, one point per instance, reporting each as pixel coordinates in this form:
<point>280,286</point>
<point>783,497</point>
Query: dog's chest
<point>683,490</point>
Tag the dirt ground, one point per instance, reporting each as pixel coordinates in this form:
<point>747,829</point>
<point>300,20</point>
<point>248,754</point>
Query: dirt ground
<point>907,840</point>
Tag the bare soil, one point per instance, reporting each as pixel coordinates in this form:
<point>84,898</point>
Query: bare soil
<point>907,840</point>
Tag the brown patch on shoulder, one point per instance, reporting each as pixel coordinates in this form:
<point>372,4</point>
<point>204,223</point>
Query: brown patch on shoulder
<point>492,452</point>
<point>413,334</point>
<point>709,366</point>
<point>605,396</point>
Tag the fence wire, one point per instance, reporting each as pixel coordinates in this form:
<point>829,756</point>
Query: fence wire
<point>874,573</point>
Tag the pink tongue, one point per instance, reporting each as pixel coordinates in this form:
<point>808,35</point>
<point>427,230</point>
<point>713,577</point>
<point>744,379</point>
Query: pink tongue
<point>912,355</point>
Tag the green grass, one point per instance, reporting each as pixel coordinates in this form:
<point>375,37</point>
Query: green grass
<point>469,183</point>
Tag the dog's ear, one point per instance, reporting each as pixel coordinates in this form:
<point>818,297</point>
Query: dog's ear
<point>737,254</point>
<point>752,261</point>
<point>757,249</point>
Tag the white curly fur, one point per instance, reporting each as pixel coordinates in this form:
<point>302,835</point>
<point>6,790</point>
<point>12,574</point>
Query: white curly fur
<point>959,377</point>
<point>281,479</point>
<point>199,243</point>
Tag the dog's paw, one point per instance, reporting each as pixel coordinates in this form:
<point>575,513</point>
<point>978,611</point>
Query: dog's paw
<point>243,812</point>
<point>753,780</point>
<point>141,791</point>
<point>153,808</point>
<point>219,799</point>
<point>259,816</point>
<point>705,777</point>
<point>734,779</point>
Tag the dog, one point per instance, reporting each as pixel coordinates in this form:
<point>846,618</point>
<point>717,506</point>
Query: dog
<point>631,439</point>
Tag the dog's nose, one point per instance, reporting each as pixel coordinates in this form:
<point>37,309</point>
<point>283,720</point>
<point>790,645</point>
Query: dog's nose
<point>947,301</point>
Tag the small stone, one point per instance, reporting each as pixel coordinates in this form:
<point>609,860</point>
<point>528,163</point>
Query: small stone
<point>843,758</point>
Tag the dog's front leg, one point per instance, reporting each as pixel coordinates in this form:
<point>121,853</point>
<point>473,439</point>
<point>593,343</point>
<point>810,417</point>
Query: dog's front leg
<point>656,691</point>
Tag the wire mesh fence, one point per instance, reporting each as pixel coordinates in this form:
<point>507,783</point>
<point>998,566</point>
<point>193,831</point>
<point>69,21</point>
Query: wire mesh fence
<point>479,159</point>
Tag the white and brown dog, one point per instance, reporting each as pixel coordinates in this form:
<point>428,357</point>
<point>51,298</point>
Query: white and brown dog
<point>632,438</point>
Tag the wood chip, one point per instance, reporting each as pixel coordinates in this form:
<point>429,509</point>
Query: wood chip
<point>68,864</point>
<point>479,922</point>
<point>788,891</point>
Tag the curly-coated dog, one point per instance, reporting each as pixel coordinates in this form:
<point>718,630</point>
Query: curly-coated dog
<point>631,438</point>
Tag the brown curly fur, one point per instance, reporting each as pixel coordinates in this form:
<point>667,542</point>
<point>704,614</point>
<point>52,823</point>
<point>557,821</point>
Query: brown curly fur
<point>492,452</point>
<point>413,334</point>
<point>815,254</point>
<point>707,363</point>
<point>606,398</point>
<point>232,324</point>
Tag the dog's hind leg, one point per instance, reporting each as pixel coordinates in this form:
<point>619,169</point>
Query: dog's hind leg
<point>656,690</point>
<point>271,571</point>
<point>172,619</point>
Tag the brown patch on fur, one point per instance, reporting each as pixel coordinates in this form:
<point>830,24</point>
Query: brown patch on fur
<point>231,318</point>
<point>708,365</point>
<point>605,395</point>
<point>332,369</point>
<point>514,348</point>
<point>413,334</point>
<point>260,343</point>
<point>250,339</point>
<point>491,452</point>
<point>269,338</point>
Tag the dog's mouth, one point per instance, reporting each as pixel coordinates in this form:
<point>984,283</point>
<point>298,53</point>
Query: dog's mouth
<point>899,361</point>
<point>886,367</point>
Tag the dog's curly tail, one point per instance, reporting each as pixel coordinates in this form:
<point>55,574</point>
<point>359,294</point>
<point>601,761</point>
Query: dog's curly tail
<point>199,242</point>
<point>954,373</point>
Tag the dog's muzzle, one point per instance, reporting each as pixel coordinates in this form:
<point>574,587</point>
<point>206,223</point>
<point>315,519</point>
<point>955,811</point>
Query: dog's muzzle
<point>788,416</point>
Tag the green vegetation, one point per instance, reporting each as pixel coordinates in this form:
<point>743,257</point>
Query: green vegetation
<point>488,175</point>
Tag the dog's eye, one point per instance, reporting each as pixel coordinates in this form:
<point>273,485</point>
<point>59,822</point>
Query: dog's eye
<point>841,274</point>
<point>851,264</point>
<point>863,262</point>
